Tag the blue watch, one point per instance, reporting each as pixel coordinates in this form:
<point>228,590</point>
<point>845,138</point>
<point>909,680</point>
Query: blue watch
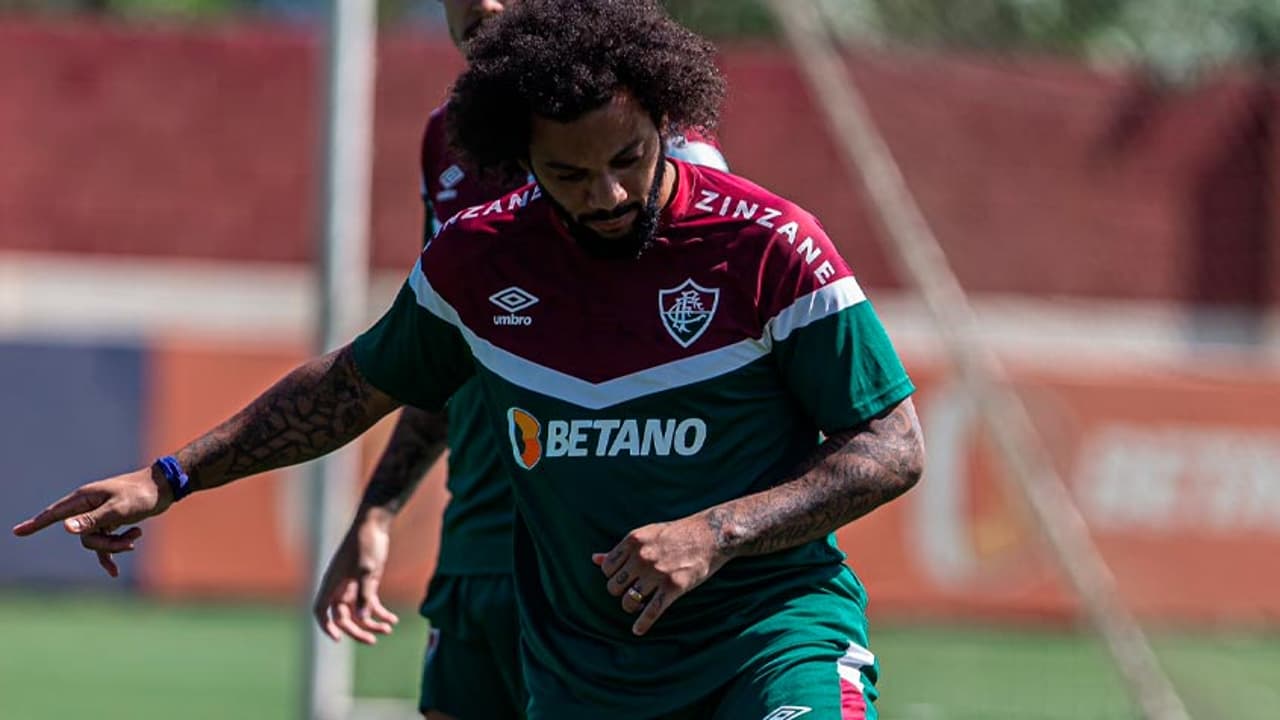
<point>178,480</point>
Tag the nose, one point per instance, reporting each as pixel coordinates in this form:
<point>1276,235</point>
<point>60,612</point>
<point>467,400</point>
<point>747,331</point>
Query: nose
<point>491,7</point>
<point>605,192</point>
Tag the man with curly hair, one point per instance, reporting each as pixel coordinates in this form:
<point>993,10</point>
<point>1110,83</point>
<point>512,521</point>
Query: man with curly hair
<point>693,389</point>
<point>471,667</point>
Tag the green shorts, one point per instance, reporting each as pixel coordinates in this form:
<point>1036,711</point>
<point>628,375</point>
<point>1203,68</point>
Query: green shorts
<point>808,659</point>
<point>472,666</point>
<point>807,681</point>
<point>804,681</point>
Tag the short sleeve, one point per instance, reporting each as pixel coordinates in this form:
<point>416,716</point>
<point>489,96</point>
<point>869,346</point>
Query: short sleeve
<point>413,354</point>
<point>829,345</point>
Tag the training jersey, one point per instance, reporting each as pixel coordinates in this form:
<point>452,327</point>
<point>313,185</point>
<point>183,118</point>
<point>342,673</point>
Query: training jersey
<point>629,392</point>
<point>475,536</point>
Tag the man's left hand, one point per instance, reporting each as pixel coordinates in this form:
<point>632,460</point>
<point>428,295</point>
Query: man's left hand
<point>657,564</point>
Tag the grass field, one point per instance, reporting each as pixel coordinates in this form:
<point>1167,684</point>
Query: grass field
<point>111,657</point>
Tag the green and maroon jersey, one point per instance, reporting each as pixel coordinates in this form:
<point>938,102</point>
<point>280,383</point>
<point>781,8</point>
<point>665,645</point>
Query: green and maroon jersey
<point>636,391</point>
<point>475,533</point>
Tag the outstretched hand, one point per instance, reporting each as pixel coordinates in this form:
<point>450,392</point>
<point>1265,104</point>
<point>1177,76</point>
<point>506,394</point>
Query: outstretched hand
<point>347,600</point>
<point>95,511</point>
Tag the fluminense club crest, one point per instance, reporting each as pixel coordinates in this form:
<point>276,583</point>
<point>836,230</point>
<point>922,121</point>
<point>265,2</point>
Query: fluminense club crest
<point>686,310</point>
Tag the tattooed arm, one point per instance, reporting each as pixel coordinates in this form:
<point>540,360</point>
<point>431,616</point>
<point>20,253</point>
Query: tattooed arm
<point>416,443</point>
<point>319,407</point>
<point>314,410</point>
<point>850,474</point>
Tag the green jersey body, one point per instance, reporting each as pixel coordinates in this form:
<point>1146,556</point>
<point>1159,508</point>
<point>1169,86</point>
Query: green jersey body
<point>629,392</point>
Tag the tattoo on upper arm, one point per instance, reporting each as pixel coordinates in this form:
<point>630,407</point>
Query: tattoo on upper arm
<point>851,474</point>
<point>314,410</point>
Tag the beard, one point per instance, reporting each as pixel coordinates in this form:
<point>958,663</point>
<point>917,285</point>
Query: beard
<point>625,247</point>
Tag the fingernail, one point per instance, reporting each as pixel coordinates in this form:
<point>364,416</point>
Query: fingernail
<point>74,524</point>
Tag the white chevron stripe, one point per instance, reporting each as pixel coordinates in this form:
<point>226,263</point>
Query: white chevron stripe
<point>668,376</point>
<point>850,665</point>
<point>823,302</point>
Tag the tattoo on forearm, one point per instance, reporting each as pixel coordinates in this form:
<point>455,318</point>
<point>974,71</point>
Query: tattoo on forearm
<point>316,409</point>
<point>416,443</point>
<point>851,474</point>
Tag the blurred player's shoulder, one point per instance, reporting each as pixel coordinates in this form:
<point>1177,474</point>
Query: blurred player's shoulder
<point>449,186</point>
<point>696,146</point>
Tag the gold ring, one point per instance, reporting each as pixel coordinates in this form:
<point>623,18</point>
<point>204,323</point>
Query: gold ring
<point>635,594</point>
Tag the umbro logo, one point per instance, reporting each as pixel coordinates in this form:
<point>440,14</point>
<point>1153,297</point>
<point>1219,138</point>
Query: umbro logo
<point>449,180</point>
<point>513,300</point>
<point>787,712</point>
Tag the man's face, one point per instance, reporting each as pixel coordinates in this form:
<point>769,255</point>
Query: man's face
<point>605,174</point>
<point>464,16</point>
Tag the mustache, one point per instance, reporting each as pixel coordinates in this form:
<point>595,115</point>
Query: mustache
<point>607,215</point>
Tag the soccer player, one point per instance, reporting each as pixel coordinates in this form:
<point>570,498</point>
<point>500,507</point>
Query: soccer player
<point>471,667</point>
<point>693,391</point>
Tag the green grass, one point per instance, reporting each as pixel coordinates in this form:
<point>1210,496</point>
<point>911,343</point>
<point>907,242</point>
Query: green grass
<point>109,657</point>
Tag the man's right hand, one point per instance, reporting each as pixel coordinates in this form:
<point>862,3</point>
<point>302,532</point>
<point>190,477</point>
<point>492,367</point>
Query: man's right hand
<point>96,510</point>
<point>347,600</point>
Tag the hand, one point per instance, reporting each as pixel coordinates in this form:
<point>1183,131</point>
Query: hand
<point>96,510</point>
<point>347,599</point>
<point>657,564</point>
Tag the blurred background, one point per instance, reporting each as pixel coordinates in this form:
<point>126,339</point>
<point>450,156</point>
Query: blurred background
<point>1101,174</point>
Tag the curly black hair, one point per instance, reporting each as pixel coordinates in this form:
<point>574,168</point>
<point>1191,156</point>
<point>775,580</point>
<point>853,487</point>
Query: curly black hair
<point>561,59</point>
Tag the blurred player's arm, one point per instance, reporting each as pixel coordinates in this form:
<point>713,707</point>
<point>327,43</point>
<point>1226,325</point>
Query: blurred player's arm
<point>418,440</point>
<point>347,599</point>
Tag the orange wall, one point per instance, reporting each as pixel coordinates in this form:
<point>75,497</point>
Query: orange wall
<point>1174,472</point>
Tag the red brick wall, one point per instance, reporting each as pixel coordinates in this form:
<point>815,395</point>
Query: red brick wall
<point>1040,177</point>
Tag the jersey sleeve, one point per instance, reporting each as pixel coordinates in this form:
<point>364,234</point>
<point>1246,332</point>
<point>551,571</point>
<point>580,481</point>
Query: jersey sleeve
<point>829,345</point>
<point>413,353</point>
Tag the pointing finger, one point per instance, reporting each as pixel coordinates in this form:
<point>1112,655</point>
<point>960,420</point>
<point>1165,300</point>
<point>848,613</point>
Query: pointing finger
<point>72,504</point>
